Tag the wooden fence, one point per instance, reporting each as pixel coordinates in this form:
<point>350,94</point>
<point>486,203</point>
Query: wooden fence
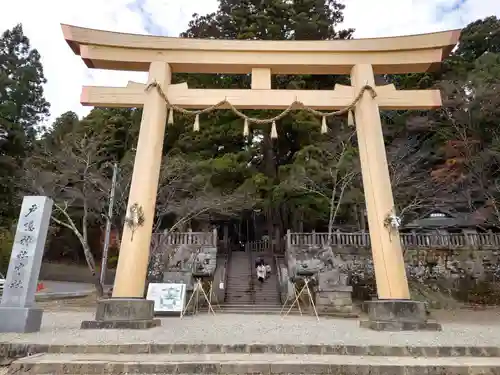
<point>408,240</point>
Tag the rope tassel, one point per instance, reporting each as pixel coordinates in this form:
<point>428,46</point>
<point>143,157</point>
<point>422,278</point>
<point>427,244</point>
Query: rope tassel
<point>170,117</point>
<point>196,125</point>
<point>350,119</point>
<point>324,127</point>
<point>246,128</point>
<point>274,132</point>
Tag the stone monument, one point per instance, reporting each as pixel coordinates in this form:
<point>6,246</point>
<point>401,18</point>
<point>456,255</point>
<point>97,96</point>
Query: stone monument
<point>18,312</point>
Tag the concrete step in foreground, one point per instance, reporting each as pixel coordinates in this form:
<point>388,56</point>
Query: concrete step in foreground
<point>241,363</point>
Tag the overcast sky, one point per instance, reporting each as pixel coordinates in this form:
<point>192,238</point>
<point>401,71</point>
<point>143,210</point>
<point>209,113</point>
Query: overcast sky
<point>66,73</point>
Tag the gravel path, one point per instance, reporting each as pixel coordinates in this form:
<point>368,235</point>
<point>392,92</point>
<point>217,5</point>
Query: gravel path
<point>63,328</point>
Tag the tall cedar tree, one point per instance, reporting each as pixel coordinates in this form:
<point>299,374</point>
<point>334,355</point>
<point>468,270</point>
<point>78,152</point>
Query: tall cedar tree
<point>270,20</point>
<point>22,108</point>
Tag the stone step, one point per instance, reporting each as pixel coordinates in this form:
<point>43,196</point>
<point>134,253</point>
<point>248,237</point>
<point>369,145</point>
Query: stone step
<point>268,297</point>
<point>252,312</point>
<point>250,305</point>
<point>257,290</point>
<point>243,363</point>
<point>236,307</point>
<point>13,351</point>
<point>234,300</point>
<point>270,306</point>
<point>257,304</point>
<point>243,289</point>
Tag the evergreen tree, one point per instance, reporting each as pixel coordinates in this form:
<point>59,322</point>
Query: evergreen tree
<point>22,101</point>
<point>271,20</point>
<point>22,108</point>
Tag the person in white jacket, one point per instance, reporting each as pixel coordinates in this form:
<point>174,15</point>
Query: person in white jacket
<point>261,272</point>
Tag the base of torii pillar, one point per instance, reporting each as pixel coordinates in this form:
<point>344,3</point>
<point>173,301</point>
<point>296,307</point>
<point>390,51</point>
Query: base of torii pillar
<point>123,313</point>
<point>393,310</point>
<point>398,315</point>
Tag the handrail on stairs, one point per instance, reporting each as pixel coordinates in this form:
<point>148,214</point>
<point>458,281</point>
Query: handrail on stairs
<point>227,259</point>
<point>278,275</point>
<point>251,281</point>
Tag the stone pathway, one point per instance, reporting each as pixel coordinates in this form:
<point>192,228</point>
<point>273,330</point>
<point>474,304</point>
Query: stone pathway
<point>63,328</point>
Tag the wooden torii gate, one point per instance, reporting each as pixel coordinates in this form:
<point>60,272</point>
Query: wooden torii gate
<point>161,56</point>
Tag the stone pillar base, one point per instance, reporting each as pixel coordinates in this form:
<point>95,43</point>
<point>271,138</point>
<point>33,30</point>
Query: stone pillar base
<point>335,301</point>
<point>123,313</point>
<point>398,315</point>
<point>20,319</point>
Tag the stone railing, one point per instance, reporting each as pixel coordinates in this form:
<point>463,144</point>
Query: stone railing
<point>408,240</point>
<point>189,238</point>
<point>176,253</point>
<point>257,246</point>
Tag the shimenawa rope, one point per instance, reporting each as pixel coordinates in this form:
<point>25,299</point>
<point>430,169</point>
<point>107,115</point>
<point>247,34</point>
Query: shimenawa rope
<point>296,105</point>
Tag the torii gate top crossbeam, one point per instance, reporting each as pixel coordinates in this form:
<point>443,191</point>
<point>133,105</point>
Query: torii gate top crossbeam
<point>118,51</point>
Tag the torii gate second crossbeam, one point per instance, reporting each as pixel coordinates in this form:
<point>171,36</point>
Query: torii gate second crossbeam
<point>362,58</point>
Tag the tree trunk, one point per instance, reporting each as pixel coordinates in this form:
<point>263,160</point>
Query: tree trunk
<point>270,170</point>
<point>91,264</point>
<point>332,215</point>
<point>86,248</point>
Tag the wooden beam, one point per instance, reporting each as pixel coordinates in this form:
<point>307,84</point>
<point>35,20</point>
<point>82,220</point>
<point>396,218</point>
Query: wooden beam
<point>390,98</point>
<point>84,36</point>
<point>261,78</point>
<point>260,99</point>
<point>381,90</point>
<point>142,86</point>
<point>242,62</point>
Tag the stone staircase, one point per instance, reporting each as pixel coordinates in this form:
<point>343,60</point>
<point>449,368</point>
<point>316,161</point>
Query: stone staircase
<point>265,293</point>
<point>150,358</point>
<point>244,294</point>
<point>238,287</point>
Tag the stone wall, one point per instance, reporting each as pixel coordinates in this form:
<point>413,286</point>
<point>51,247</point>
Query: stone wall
<point>172,261</point>
<point>421,263</point>
<point>333,292</point>
<point>450,270</point>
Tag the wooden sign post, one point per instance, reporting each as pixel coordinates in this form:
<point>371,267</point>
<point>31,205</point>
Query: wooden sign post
<point>360,58</point>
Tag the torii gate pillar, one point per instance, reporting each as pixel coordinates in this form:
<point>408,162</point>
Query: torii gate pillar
<point>393,311</point>
<point>128,308</point>
<point>386,246</point>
